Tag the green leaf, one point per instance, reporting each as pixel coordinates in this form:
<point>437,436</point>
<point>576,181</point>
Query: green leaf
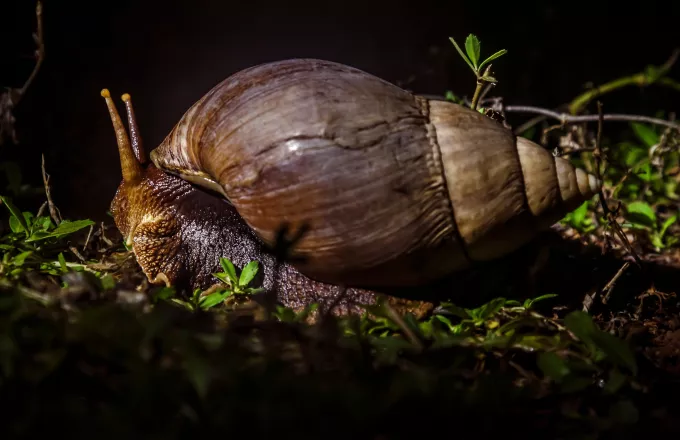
<point>552,366</point>
<point>450,96</point>
<point>248,273</point>
<point>222,277</point>
<point>65,228</point>
<point>28,216</point>
<point>16,213</point>
<point>284,314</point>
<point>577,217</point>
<point>472,47</point>
<point>581,325</point>
<point>304,314</point>
<point>487,310</point>
<point>498,54</point>
<point>641,212</point>
<point>669,221</point>
<point>456,310</point>
<point>616,349</point>
<point>164,293</point>
<point>62,262</point>
<point>460,51</point>
<point>645,133</point>
<point>229,269</point>
<point>214,299</point>
<point>528,303</point>
<point>21,258</point>
<point>43,223</point>
<point>109,283</point>
<point>16,225</point>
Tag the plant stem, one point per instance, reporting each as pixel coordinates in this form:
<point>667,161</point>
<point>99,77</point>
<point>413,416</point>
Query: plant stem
<point>641,79</point>
<point>480,86</point>
<point>475,97</point>
<point>567,118</point>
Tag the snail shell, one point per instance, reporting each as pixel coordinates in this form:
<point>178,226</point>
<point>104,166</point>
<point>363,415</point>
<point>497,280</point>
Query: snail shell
<point>395,189</point>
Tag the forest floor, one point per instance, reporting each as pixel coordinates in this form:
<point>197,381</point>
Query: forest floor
<point>575,336</point>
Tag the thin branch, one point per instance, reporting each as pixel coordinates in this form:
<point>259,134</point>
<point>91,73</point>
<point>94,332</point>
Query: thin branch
<point>89,235</point>
<point>566,118</point>
<point>607,290</point>
<point>39,53</point>
<point>54,212</point>
<point>610,216</point>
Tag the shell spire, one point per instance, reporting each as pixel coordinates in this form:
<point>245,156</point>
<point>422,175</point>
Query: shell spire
<point>130,166</point>
<point>553,185</point>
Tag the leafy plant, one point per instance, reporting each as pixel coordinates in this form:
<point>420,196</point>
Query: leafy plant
<point>642,216</point>
<point>36,243</point>
<point>472,56</point>
<point>581,218</point>
<point>236,285</point>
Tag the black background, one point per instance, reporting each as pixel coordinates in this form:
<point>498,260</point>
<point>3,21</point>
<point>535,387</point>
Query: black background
<point>168,54</point>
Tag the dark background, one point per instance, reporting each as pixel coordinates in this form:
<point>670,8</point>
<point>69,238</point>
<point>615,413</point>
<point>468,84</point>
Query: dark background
<point>167,55</point>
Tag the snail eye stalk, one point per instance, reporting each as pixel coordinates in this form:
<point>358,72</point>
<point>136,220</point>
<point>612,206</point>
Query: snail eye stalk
<point>130,167</point>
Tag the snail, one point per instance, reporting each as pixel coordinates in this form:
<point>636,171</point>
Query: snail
<point>393,189</point>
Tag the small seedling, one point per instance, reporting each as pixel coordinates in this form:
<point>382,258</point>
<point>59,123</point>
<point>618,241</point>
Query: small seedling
<point>32,242</point>
<point>473,50</point>
<point>237,284</point>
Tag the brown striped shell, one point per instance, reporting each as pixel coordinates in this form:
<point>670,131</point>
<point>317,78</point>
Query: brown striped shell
<point>396,189</point>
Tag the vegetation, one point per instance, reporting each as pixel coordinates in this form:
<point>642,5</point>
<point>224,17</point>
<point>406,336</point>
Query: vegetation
<point>88,347</point>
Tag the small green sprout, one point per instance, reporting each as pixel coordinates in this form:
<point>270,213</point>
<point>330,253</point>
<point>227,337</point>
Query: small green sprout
<point>237,284</point>
<point>473,50</point>
<point>32,240</point>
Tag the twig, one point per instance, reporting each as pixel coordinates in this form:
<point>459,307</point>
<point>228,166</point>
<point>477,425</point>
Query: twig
<point>566,118</point>
<point>89,234</point>
<point>611,218</point>
<point>77,254</point>
<point>102,228</point>
<point>39,53</point>
<point>10,99</point>
<point>42,209</point>
<point>46,181</point>
<point>609,215</point>
<point>607,290</point>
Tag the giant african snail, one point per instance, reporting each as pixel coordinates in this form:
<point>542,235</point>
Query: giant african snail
<point>395,189</point>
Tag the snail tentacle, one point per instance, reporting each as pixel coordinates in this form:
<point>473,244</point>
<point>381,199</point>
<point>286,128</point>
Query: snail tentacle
<point>136,139</point>
<point>131,168</point>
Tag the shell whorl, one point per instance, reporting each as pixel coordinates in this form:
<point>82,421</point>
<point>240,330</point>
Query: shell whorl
<point>396,189</point>
<point>503,189</point>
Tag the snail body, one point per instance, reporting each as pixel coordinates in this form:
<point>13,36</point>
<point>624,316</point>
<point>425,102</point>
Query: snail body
<point>393,189</point>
